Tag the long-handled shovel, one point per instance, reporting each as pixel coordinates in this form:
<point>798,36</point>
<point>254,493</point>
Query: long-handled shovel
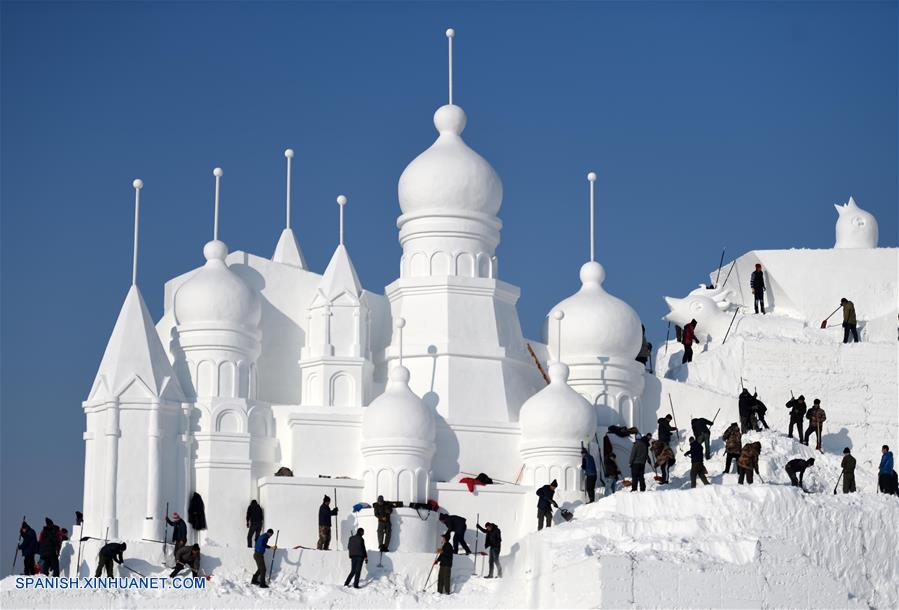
<point>271,566</point>
<point>16,554</point>
<point>824,321</point>
<point>838,484</point>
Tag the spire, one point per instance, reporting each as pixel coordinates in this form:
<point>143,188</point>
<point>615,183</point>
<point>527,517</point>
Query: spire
<point>450,34</point>
<point>138,184</point>
<point>341,201</point>
<point>217,172</point>
<point>339,277</point>
<point>287,251</point>
<point>591,178</point>
<point>557,316</point>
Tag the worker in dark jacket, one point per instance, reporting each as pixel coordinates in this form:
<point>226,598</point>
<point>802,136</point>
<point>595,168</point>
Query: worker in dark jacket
<point>638,460</point>
<point>886,479</point>
<point>255,517</point>
<point>358,555</point>
<point>797,409</point>
<point>645,349</point>
<point>665,429</point>
<point>445,572</point>
<point>746,403</point>
<point>493,540</point>
<point>28,546</point>
<point>49,543</point>
<point>588,465</point>
<point>850,323</point>
<point>798,466</point>
<point>612,474</point>
<point>664,457</point>
<point>457,526</point>
<point>733,445</point>
<point>703,433</point>
<point>816,418</point>
<point>757,283</point>
<point>383,510</point>
<point>109,553</point>
<point>179,530</point>
<point>688,338</point>
<point>848,466</point>
<point>748,462</point>
<point>759,409</point>
<point>325,512</point>
<point>545,504</point>
<point>697,467</point>
<point>259,558</point>
<point>187,556</point>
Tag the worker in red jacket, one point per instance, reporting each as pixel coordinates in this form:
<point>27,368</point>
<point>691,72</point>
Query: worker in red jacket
<point>688,338</point>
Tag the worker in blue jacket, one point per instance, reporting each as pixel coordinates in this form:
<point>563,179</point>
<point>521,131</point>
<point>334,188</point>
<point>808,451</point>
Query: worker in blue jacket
<point>28,546</point>
<point>886,478</point>
<point>588,465</point>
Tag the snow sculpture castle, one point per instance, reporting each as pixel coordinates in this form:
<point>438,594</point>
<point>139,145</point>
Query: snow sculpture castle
<point>259,363</point>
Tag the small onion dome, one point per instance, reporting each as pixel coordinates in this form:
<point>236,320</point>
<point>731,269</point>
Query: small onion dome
<point>399,415</point>
<point>557,411</point>
<point>450,176</point>
<point>215,294</point>
<point>597,323</point>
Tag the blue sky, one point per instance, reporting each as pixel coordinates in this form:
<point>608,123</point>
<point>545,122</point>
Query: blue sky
<point>710,125</point>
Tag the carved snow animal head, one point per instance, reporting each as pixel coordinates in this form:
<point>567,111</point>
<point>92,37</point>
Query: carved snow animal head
<point>719,295</point>
<point>711,322</point>
<point>855,227</point>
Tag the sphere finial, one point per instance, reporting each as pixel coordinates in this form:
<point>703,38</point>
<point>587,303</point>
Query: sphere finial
<point>217,172</point>
<point>400,322</point>
<point>591,176</point>
<point>450,33</point>
<point>558,314</point>
<point>289,153</point>
<point>138,183</point>
<point>341,200</point>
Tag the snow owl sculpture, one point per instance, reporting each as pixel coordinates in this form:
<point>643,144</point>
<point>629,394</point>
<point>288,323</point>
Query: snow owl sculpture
<point>855,227</point>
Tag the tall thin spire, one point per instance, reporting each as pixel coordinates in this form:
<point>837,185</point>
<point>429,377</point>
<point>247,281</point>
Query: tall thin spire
<point>557,316</point>
<point>591,177</point>
<point>289,154</point>
<point>400,323</point>
<point>341,201</point>
<point>450,33</point>
<point>138,184</point>
<point>217,172</point>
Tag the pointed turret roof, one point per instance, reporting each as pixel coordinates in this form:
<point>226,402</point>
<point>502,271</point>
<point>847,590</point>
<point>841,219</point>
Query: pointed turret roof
<point>135,360</point>
<point>288,252</point>
<point>339,278</point>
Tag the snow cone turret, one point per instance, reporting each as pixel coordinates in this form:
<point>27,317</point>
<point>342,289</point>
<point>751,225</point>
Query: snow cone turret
<point>554,424</point>
<point>133,407</point>
<point>398,442</point>
<point>217,339</point>
<point>599,342</point>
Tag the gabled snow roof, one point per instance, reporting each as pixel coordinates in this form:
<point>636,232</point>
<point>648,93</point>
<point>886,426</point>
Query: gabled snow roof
<point>339,279</point>
<point>288,252</point>
<point>135,360</point>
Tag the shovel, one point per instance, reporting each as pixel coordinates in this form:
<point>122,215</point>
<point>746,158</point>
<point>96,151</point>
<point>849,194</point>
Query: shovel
<point>824,322</point>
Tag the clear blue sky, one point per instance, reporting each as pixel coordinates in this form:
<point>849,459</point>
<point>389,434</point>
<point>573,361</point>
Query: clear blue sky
<point>710,124</point>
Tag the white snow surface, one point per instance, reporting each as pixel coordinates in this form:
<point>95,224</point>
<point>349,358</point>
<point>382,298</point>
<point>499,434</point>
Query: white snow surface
<point>725,545</point>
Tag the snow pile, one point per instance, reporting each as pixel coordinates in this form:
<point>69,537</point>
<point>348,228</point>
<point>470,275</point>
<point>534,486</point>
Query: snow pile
<point>722,545</point>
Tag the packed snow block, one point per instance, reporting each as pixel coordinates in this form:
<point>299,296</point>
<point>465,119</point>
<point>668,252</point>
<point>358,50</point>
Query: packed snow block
<point>615,578</point>
<point>809,284</point>
<point>292,503</point>
<point>489,501</point>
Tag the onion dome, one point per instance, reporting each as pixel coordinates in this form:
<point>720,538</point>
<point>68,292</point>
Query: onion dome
<point>399,416</point>
<point>215,294</point>
<point>449,176</point>
<point>557,411</point>
<point>597,323</point>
